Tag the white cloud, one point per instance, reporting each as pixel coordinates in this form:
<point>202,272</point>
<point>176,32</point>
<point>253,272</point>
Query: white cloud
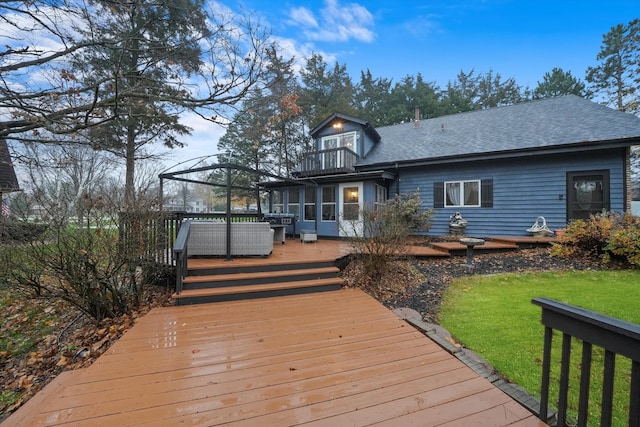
<point>302,17</point>
<point>337,22</point>
<point>290,48</point>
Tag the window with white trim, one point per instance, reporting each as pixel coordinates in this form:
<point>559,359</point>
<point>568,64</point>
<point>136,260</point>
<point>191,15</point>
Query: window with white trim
<point>381,197</point>
<point>329,203</point>
<point>347,140</point>
<point>462,193</point>
<point>278,201</point>
<point>293,207</point>
<point>310,204</point>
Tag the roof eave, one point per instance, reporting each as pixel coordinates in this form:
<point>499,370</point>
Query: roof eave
<point>583,146</point>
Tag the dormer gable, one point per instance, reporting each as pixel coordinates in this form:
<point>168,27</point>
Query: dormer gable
<point>343,130</point>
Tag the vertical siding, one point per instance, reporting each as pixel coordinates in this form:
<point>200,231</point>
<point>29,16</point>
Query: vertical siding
<point>522,190</point>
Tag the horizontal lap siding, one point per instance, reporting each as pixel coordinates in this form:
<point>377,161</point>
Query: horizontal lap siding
<point>523,189</point>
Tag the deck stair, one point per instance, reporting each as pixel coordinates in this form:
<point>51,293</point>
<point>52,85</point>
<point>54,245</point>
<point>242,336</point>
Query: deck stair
<point>456,248</point>
<point>243,281</point>
<point>525,242</point>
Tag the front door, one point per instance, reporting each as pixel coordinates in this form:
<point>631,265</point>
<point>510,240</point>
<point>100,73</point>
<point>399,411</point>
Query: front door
<point>587,193</point>
<point>350,208</point>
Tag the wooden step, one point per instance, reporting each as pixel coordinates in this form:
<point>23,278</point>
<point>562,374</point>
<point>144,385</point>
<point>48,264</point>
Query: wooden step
<point>232,293</point>
<point>457,248</point>
<point>240,278</point>
<point>525,242</point>
<point>205,267</point>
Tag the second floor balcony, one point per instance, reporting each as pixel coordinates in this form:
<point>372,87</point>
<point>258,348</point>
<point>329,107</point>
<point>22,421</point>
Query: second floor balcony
<point>327,162</point>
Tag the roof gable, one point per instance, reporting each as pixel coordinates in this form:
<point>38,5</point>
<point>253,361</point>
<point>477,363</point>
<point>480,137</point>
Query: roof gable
<point>366,126</point>
<point>542,124</point>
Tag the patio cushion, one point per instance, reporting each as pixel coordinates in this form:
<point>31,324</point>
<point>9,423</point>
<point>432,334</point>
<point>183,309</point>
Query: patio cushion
<point>247,238</point>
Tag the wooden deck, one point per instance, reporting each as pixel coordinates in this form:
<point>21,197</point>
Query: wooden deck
<point>335,358</point>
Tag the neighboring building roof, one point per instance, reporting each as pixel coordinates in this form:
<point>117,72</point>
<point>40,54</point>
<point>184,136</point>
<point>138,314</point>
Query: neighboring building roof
<point>8,180</point>
<point>370,130</point>
<point>566,121</point>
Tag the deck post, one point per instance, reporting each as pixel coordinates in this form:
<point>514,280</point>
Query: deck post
<point>228,258</point>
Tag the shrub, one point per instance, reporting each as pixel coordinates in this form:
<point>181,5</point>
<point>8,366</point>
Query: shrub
<point>604,235</point>
<point>384,232</point>
<point>625,240</point>
<point>95,267</point>
<point>20,231</point>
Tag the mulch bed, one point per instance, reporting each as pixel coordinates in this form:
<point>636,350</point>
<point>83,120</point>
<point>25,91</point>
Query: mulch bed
<point>420,284</point>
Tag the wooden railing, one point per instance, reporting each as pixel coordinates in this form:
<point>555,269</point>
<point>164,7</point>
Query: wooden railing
<point>180,254</point>
<point>323,162</point>
<point>177,226</point>
<point>615,336</point>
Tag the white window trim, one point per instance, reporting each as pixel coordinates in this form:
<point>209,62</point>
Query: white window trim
<point>309,203</point>
<point>340,138</point>
<point>461,195</point>
<point>334,204</point>
<point>380,201</point>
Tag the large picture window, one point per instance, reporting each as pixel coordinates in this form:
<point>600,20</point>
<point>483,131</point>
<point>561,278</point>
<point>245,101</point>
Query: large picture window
<point>462,193</point>
<point>329,203</point>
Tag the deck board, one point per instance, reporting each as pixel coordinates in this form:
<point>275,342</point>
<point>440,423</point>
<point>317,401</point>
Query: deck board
<point>332,358</point>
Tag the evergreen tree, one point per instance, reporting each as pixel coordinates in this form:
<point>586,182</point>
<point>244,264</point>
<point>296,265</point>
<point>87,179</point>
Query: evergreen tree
<point>325,91</point>
<point>557,83</point>
<point>617,77</point>
<point>411,93</point>
<point>475,92</point>
<point>461,93</point>
<point>372,98</point>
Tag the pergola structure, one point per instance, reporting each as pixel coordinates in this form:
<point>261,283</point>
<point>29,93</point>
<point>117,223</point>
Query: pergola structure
<point>229,185</point>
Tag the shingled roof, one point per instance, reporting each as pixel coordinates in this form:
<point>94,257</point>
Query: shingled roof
<point>567,121</point>
<point>8,180</point>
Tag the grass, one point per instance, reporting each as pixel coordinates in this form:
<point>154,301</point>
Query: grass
<point>493,316</point>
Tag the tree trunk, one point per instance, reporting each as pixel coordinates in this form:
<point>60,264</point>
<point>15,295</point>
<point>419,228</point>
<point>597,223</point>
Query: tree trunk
<point>130,157</point>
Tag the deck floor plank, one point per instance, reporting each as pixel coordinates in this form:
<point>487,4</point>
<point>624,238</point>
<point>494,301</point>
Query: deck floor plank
<point>333,358</point>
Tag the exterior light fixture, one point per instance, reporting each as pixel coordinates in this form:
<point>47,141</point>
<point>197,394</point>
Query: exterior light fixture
<point>337,125</point>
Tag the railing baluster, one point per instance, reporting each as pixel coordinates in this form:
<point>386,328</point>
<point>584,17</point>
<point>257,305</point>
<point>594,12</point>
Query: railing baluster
<point>607,388</point>
<point>585,381</point>
<point>546,373</point>
<point>564,379</point>
<point>615,336</point>
<point>634,399</point>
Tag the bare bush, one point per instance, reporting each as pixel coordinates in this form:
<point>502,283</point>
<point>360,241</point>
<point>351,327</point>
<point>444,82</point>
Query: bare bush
<point>384,232</point>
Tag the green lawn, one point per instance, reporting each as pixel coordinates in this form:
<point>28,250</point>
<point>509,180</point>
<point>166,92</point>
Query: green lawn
<point>493,316</point>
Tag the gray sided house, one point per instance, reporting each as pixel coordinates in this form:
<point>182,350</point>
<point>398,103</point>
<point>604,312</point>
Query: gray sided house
<point>562,158</point>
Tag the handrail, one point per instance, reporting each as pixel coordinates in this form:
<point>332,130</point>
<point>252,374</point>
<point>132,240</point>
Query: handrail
<point>180,252</point>
<point>328,161</point>
<point>616,336</point>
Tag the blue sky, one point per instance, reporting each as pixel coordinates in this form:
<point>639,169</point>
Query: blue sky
<point>438,38</point>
